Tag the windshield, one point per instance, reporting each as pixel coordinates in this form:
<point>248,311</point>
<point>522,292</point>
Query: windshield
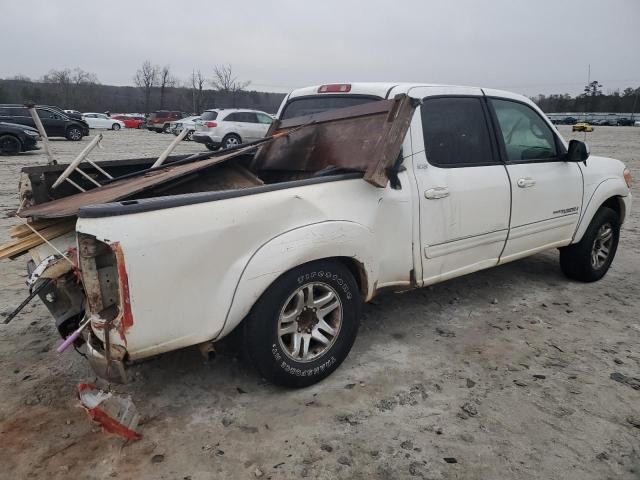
<point>298,107</point>
<point>209,116</point>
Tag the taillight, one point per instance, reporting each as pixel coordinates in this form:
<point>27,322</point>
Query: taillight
<point>335,87</point>
<point>211,124</point>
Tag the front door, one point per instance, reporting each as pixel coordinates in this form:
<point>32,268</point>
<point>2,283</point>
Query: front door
<point>546,190</point>
<point>462,184</point>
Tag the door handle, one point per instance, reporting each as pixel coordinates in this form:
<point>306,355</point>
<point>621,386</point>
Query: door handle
<point>526,182</point>
<point>437,192</point>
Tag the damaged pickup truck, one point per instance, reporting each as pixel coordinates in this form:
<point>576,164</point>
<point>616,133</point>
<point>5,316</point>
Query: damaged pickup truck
<point>355,189</point>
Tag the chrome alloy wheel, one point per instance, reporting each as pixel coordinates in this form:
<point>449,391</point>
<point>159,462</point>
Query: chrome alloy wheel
<point>602,246</point>
<point>310,322</point>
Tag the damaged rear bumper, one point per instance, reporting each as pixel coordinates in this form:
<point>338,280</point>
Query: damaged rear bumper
<point>109,369</point>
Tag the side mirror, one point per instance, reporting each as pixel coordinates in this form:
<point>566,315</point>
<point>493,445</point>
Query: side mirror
<point>578,151</point>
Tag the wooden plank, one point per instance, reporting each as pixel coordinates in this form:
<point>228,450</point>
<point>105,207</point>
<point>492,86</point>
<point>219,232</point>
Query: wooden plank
<point>22,245</point>
<point>21,230</point>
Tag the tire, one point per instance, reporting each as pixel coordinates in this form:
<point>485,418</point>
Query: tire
<point>590,258</point>
<point>166,128</point>
<point>278,354</point>
<point>115,127</point>
<point>211,147</point>
<point>231,140</point>
<point>189,136</point>
<point>10,145</point>
<point>158,130</point>
<point>74,134</point>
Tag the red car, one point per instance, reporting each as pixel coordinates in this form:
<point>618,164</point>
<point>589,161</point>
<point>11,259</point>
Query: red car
<point>131,122</point>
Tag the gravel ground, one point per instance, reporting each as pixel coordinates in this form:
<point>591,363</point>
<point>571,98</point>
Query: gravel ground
<point>505,373</point>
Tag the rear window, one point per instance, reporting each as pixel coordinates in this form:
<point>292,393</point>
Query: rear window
<point>209,116</point>
<point>301,106</point>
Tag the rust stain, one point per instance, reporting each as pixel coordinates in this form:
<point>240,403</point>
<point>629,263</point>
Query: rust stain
<point>126,317</point>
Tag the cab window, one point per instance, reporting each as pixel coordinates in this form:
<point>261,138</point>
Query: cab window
<point>455,132</point>
<point>527,137</point>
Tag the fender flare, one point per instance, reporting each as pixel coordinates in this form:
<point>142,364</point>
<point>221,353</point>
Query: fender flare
<point>295,247</point>
<point>606,189</point>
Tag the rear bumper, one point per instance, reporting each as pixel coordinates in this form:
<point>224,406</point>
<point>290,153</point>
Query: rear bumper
<point>203,137</point>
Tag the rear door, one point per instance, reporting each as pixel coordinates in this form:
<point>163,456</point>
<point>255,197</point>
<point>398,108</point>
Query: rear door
<point>462,183</point>
<point>53,123</point>
<point>546,190</point>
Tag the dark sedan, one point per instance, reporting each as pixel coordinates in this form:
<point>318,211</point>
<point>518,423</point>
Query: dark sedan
<point>15,138</point>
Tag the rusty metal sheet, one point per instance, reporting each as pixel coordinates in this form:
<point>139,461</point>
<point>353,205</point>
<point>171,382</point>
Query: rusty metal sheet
<point>365,138</point>
<point>119,189</point>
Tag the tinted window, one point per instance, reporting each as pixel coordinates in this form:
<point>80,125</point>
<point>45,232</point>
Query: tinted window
<point>45,113</point>
<point>209,116</point>
<point>232,117</point>
<point>299,107</point>
<point>18,112</point>
<point>526,135</point>
<point>455,132</point>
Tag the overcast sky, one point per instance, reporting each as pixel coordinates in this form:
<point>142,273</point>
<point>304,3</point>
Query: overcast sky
<point>541,46</point>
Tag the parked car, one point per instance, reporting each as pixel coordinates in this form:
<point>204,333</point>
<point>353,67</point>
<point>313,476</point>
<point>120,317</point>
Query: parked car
<point>55,124</point>
<point>73,113</point>
<point>101,120</point>
<point>130,122</point>
<point>224,128</point>
<point>15,138</point>
<point>160,121</point>
<point>625,122</point>
<point>582,127</point>
<point>187,122</point>
<point>289,255</point>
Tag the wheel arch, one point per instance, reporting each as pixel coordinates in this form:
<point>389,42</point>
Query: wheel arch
<point>612,193</point>
<point>299,247</point>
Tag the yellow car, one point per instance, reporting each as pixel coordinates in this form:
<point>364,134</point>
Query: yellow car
<point>582,127</point>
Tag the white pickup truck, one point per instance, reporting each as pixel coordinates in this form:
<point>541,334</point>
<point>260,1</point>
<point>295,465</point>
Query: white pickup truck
<point>483,178</point>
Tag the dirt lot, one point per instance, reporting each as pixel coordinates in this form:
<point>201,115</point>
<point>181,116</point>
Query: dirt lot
<point>506,373</point>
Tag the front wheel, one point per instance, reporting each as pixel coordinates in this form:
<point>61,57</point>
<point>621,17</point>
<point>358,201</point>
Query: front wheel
<point>590,258</point>
<point>189,135</point>
<point>166,128</point>
<point>74,134</point>
<point>304,325</point>
<point>10,145</point>
<point>115,126</point>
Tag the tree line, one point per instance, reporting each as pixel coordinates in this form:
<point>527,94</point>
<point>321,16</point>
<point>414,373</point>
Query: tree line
<point>592,100</point>
<point>156,88</point>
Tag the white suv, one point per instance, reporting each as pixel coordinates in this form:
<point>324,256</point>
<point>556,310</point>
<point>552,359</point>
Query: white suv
<point>224,128</point>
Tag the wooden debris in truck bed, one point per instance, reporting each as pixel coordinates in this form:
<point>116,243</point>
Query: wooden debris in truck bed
<point>26,241</point>
<point>119,189</point>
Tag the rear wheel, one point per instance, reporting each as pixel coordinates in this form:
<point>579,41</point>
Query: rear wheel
<point>304,325</point>
<point>74,134</point>
<point>189,135</point>
<point>10,145</point>
<point>590,258</point>
<point>231,140</point>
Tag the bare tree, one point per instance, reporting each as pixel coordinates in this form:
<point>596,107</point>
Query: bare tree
<point>165,80</point>
<point>67,81</point>
<point>198,82</point>
<point>226,82</point>
<point>146,78</point>
<point>81,77</point>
